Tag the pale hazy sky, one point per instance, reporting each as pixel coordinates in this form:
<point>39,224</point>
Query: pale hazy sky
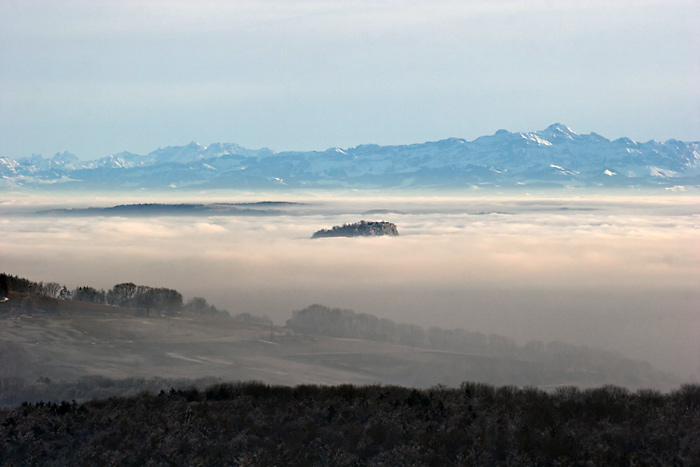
<point>99,77</point>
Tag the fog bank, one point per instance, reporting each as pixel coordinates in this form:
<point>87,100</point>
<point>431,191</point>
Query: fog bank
<point>619,273</point>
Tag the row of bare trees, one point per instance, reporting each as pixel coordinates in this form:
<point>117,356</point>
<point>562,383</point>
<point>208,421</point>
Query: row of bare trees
<point>159,300</point>
<point>127,294</point>
<point>9,282</point>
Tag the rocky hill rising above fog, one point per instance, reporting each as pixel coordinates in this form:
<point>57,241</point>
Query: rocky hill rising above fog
<point>553,157</point>
<point>359,229</point>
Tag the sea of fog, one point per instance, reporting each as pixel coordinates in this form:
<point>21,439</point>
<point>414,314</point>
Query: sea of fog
<point>620,273</point>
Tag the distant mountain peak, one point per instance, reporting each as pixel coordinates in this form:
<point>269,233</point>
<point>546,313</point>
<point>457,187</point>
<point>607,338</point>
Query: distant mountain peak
<point>559,127</point>
<point>558,130</point>
<point>64,156</point>
<point>553,157</point>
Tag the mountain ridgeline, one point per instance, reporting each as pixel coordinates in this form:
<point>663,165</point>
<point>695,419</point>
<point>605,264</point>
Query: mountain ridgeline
<point>553,157</point>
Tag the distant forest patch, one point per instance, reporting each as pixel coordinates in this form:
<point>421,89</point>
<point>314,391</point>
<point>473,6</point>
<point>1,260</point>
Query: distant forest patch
<point>262,208</point>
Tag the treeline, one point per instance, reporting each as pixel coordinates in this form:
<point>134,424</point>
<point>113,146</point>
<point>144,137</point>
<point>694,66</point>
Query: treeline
<point>602,365</point>
<point>256,424</point>
<point>14,391</point>
<point>10,283</point>
<point>336,322</point>
<point>159,300</point>
<point>199,306</point>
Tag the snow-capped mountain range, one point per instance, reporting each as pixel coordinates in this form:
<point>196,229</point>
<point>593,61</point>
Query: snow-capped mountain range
<point>553,157</point>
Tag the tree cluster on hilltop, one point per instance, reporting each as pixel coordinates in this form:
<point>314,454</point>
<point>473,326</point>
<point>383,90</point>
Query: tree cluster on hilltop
<point>199,306</point>
<point>147,299</point>
<point>10,283</point>
<point>256,424</point>
<point>359,229</point>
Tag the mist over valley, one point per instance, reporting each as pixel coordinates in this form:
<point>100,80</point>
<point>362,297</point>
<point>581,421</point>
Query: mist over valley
<point>614,273</point>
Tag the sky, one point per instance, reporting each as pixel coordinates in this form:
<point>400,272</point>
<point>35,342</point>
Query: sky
<point>100,77</point>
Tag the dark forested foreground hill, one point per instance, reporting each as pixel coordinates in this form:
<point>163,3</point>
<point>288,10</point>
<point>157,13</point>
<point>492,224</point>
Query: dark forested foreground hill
<point>256,424</point>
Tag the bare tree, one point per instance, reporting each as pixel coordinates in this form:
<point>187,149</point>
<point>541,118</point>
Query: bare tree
<point>52,289</point>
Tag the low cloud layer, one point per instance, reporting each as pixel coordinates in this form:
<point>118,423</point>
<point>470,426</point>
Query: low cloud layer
<point>622,273</point>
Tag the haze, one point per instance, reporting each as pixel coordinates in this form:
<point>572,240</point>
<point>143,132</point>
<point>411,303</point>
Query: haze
<point>620,273</point>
